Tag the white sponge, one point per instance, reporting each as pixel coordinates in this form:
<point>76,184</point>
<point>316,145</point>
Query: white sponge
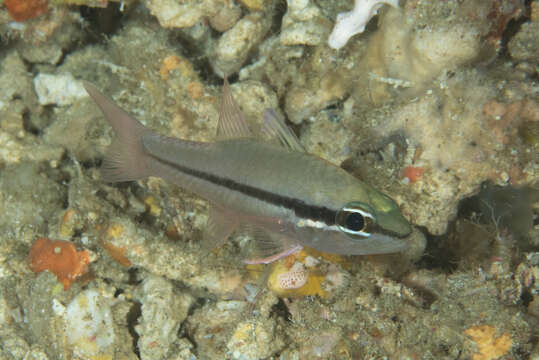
<point>353,22</point>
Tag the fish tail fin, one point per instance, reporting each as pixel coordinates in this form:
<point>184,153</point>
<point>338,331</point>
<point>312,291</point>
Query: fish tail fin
<point>126,158</point>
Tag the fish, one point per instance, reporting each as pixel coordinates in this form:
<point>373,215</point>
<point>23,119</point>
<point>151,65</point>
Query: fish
<point>286,197</point>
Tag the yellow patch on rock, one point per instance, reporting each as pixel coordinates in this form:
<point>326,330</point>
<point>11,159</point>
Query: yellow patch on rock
<point>253,4</point>
<point>489,347</point>
<point>153,205</point>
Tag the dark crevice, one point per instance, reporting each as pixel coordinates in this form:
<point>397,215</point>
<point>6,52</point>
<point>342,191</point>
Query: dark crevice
<point>98,162</point>
<point>496,211</point>
<point>190,46</point>
<point>36,122</point>
<point>65,203</point>
<point>281,310</point>
<point>206,73</point>
<point>103,22</point>
<point>27,124</point>
<point>65,52</point>
<point>513,27</point>
<point>197,304</point>
<point>279,11</point>
<point>60,174</point>
<point>183,333</point>
<point>194,53</point>
<point>132,320</point>
<point>133,277</point>
<point>334,111</point>
<point>437,255</point>
<point>183,330</point>
<point>502,208</point>
<point>90,164</point>
<point>191,49</point>
<point>376,291</point>
<point>146,219</point>
<point>233,78</point>
<point>77,234</point>
<point>527,298</point>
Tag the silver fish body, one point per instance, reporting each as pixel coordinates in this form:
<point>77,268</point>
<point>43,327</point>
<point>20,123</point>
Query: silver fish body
<point>295,199</point>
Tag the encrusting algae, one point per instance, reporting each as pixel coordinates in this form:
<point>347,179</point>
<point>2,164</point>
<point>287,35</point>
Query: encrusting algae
<point>60,258</point>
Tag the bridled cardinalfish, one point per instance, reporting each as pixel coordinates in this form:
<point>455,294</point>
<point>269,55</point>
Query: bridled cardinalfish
<point>289,197</point>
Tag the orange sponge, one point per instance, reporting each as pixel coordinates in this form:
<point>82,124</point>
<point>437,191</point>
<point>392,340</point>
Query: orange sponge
<point>59,257</point>
<point>21,10</point>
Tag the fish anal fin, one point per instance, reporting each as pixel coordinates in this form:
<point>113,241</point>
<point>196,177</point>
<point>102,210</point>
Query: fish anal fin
<point>269,247</point>
<point>218,228</point>
<point>232,123</point>
<point>274,128</point>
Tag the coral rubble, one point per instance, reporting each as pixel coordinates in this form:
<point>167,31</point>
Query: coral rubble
<point>434,103</point>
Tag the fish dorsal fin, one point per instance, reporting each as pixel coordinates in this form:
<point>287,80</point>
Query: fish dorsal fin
<point>232,123</point>
<point>275,128</point>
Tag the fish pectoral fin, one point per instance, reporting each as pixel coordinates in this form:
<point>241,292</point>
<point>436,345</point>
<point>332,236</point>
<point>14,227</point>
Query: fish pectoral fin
<point>269,247</point>
<point>218,228</point>
<point>232,123</point>
<point>274,128</point>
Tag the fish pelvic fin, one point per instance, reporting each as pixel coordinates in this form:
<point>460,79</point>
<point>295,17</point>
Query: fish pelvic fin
<point>126,158</point>
<point>221,224</point>
<point>269,246</point>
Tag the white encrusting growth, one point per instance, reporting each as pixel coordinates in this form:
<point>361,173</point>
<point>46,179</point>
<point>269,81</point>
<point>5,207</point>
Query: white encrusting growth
<point>353,22</point>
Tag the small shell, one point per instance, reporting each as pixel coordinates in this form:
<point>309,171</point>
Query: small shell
<point>293,279</point>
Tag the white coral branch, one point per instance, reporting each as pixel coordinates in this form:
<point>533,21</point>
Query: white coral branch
<point>353,22</point>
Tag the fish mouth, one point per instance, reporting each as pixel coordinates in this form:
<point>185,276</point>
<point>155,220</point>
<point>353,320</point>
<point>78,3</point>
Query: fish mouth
<point>389,218</point>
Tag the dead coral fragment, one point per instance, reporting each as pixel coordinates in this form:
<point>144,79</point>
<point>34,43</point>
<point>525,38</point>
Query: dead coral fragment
<point>489,347</point>
<point>59,257</point>
<point>112,243</point>
<point>22,10</point>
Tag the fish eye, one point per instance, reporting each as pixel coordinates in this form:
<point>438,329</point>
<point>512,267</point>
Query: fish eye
<point>355,222</point>
<point>354,219</point>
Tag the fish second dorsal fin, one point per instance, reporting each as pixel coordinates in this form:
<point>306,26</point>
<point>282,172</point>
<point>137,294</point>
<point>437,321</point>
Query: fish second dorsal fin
<point>275,128</point>
<point>232,123</point>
